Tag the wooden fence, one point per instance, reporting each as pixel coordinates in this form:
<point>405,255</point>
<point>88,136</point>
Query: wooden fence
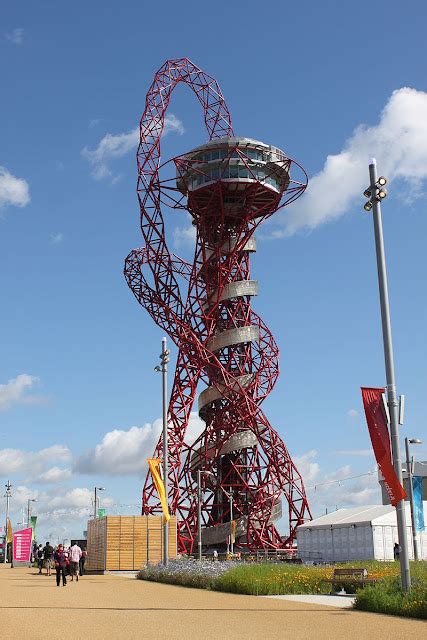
<point>126,543</point>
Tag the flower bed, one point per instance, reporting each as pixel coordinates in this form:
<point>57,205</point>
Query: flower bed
<point>277,579</point>
<point>385,596</point>
<point>187,573</point>
<point>256,578</point>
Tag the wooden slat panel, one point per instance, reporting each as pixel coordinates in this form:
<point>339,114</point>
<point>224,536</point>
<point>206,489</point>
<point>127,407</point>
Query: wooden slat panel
<point>122,541</point>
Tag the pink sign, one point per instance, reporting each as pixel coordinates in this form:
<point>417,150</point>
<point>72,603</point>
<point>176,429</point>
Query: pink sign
<point>22,545</point>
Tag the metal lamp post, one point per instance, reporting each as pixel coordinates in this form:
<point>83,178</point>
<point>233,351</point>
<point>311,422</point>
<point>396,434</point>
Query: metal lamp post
<point>375,193</point>
<point>409,463</point>
<point>30,500</point>
<point>8,496</point>
<point>95,513</point>
<point>230,499</point>
<point>163,368</point>
<point>199,508</point>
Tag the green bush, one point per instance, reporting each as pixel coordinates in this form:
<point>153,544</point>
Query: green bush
<point>181,579</point>
<point>387,596</point>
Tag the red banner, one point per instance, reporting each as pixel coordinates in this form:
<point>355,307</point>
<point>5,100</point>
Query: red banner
<point>378,430</point>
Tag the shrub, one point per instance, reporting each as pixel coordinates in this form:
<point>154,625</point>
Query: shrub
<point>387,596</point>
<point>186,573</point>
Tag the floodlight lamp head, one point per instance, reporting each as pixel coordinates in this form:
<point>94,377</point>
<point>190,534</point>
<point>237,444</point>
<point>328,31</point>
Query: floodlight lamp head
<point>382,193</point>
<point>415,441</point>
<point>367,193</point>
<point>367,206</point>
<point>157,368</point>
<point>381,181</point>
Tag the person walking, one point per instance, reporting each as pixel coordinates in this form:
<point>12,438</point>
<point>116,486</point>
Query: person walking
<point>82,562</point>
<point>40,557</point>
<point>47,557</point>
<point>67,560</point>
<point>75,553</point>
<point>60,565</point>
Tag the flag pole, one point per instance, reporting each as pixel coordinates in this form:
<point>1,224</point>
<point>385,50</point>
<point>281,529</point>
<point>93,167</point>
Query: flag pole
<point>165,360</point>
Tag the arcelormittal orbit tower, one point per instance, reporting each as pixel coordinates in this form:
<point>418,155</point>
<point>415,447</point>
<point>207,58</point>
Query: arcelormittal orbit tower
<point>229,186</point>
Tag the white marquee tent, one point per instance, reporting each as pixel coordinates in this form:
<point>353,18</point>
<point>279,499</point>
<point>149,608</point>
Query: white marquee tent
<point>359,533</point>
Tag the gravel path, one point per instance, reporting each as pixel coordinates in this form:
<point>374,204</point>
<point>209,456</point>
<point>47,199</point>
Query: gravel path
<point>111,607</point>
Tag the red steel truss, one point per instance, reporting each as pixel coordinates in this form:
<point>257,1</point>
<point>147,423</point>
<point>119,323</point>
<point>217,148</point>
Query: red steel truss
<point>222,343</point>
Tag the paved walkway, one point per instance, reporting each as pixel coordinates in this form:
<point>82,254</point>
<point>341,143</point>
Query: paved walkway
<point>110,607</point>
<point>339,602</point>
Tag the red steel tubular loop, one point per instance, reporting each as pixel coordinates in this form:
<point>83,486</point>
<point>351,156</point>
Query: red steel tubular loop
<point>221,341</point>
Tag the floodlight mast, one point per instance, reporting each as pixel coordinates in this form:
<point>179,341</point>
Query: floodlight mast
<point>229,186</point>
<point>375,199</point>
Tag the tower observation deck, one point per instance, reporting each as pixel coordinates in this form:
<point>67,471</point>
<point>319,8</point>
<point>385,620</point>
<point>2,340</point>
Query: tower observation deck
<point>226,353</point>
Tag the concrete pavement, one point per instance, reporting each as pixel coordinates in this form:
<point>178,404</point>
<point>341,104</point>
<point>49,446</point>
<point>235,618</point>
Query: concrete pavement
<point>110,607</point>
<point>339,602</point>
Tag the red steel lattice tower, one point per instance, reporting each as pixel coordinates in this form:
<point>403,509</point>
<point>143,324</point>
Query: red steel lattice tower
<point>229,186</point>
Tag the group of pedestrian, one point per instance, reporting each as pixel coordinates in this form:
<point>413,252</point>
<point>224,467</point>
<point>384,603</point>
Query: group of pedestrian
<point>66,561</point>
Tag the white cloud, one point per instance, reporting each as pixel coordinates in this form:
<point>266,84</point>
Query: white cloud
<point>341,488</point>
<point>56,238</point>
<point>398,141</point>
<point>121,452</point>
<point>307,467</point>
<point>61,513</point>
<point>125,452</point>
<point>32,464</point>
<point>185,235</point>
<point>14,391</point>
<point>13,191</point>
<point>54,475</point>
<point>78,498</point>
<point>195,427</point>
<point>116,146</point>
<point>16,36</point>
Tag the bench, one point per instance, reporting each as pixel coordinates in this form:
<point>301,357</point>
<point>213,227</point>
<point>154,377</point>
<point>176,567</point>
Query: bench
<point>354,575</point>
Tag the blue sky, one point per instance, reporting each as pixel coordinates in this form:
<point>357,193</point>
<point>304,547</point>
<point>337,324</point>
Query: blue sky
<point>77,352</point>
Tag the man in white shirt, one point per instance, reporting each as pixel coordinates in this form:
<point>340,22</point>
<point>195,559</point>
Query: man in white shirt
<point>75,554</point>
